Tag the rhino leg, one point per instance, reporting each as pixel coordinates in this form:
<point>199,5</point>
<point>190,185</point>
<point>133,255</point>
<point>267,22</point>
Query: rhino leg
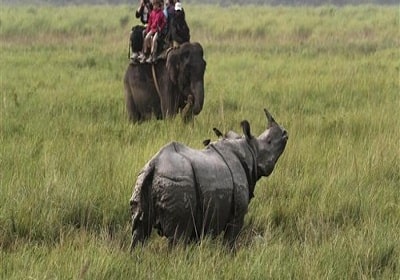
<point>139,235</point>
<point>232,231</point>
<point>178,227</point>
<point>141,229</point>
<point>239,209</point>
<point>141,206</point>
<point>182,234</point>
<point>142,216</point>
<point>176,212</point>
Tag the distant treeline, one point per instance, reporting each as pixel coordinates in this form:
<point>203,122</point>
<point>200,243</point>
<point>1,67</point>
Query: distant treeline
<point>218,2</point>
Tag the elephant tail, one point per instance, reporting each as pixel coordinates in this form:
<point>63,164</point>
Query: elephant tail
<point>142,206</point>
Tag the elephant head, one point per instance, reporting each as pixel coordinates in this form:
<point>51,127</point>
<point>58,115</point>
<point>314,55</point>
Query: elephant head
<point>186,67</point>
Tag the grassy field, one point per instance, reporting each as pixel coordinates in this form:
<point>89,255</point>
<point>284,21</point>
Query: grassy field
<point>69,157</point>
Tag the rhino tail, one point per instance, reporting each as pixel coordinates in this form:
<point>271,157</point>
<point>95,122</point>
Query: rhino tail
<point>141,205</point>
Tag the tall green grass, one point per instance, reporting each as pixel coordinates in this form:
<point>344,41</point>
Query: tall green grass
<point>69,157</point>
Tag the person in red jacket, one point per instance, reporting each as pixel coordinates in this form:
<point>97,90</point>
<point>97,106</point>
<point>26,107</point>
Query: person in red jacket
<point>155,25</point>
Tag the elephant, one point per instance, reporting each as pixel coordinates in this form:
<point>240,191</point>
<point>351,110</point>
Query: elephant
<point>186,193</point>
<point>171,85</point>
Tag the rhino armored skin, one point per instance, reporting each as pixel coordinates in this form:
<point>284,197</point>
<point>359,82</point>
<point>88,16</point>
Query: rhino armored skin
<point>185,193</point>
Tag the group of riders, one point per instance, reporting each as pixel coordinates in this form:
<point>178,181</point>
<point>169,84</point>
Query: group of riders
<point>163,27</point>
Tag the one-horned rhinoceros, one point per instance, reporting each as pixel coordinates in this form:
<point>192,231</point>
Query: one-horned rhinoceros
<point>185,193</point>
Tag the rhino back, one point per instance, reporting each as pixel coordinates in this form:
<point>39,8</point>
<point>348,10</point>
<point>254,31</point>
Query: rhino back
<point>221,181</point>
<point>199,185</point>
<point>173,181</point>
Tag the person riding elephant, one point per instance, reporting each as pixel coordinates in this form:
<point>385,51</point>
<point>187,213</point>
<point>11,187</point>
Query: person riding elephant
<point>169,12</point>
<point>168,87</point>
<point>157,23</point>
<point>136,35</point>
<point>180,32</point>
<point>143,11</point>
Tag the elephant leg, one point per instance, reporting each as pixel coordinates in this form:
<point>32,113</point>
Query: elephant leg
<point>166,108</point>
<point>133,113</point>
<point>158,114</point>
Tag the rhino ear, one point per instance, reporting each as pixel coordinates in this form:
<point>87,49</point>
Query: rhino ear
<point>246,129</point>
<point>173,66</point>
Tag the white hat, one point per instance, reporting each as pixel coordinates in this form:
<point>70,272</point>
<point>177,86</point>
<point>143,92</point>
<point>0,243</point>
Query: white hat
<point>178,6</point>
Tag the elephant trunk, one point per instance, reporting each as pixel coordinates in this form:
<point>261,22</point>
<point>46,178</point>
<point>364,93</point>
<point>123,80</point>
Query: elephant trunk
<point>198,94</point>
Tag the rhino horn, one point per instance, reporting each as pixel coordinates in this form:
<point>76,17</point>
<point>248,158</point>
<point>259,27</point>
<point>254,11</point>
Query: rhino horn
<point>270,119</point>
<point>246,129</point>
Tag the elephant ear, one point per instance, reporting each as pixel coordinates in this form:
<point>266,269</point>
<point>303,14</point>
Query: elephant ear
<point>177,62</point>
<point>185,58</point>
<point>173,66</point>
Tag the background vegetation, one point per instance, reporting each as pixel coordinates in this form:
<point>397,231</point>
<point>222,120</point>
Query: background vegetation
<point>69,158</point>
<point>219,2</point>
